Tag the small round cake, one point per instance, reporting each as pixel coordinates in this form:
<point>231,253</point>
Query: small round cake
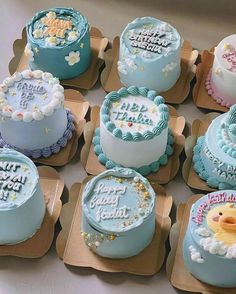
<point>22,206</point>
<point>220,82</point>
<point>118,209</point>
<point>214,156</point>
<point>33,119</point>
<point>59,42</point>
<point>134,122</point>
<point>209,247</point>
<point>149,54</point>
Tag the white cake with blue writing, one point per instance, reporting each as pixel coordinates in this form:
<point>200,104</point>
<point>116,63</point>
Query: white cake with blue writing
<point>33,119</point>
<point>209,247</point>
<point>134,130</point>
<point>149,54</point>
<point>214,156</point>
<point>118,208</point>
<point>22,206</point>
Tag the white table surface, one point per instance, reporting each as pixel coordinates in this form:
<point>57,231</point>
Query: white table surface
<point>204,24</point>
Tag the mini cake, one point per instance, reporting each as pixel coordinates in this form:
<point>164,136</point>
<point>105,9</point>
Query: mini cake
<point>220,82</point>
<point>214,156</point>
<point>118,213</point>
<point>133,122</point>
<point>22,206</point>
<point>59,42</point>
<point>209,247</point>
<point>33,119</point>
<point>149,54</point>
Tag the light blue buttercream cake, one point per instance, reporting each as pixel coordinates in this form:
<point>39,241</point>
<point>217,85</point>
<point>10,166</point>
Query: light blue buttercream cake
<point>209,246</point>
<point>59,42</point>
<point>22,205</point>
<point>149,54</point>
<point>118,208</point>
<point>214,156</point>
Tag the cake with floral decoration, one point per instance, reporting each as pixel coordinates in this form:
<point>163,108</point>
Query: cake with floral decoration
<point>22,206</point>
<point>33,119</point>
<point>209,246</point>
<point>118,213</point>
<point>214,156</point>
<point>59,42</point>
<point>149,54</point>
<point>134,130</point>
<point>221,79</point>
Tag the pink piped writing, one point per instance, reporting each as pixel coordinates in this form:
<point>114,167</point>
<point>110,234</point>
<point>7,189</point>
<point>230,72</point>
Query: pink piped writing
<point>231,59</point>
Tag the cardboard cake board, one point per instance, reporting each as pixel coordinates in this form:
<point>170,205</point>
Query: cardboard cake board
<point>199,128</point>
<point>38,245</point>
<point>75,102</point>
<point>72,249</point>
<point>176,271</point>
<point>200,96</point>
<point>177,94</point>
<point>166,173</point>
<point>86,80</point>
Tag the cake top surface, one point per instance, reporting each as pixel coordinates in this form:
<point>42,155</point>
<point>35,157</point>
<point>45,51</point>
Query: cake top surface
<point>150,38</point>
<point>30,95</point>
<point>18,179</point>
<point>225,52</point>
<point>57,27</point>
<point>117,200</point>
<point>134,114</point>
<point>213,223</point>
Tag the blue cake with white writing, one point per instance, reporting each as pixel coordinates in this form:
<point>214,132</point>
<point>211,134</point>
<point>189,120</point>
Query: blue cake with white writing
<point>209,246</point>
<point>214,156</point>
<point>59,42</point>
<point>149,54</point>
<point>22,206</point>
<point>33,119</point>
<point>118,208</point>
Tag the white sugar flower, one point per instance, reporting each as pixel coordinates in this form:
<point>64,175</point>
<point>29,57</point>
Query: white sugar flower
<point>51,41</point>
<point>169,67</point>
<point>38,33</point>
<point>73,57</point>
<point>121,67</point>
<point>73,36</point>
<point>51,15</point>
<point>130,63</point>
<point>28,52</point>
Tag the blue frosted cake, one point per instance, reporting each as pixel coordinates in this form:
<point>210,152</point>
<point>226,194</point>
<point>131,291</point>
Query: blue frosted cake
<point>22,205</point>
<point>33,119</point>
<point>149,54</point>
<point>59,42</point>
<point>214,156</point>
<point>209,247</point>
<point>118,209</point>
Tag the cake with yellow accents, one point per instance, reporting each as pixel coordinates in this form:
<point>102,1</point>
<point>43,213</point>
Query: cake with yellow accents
<point>134,130</point>
<point>33,119</point>
<point>59,42</point>
<point>209,247</point>
<point>118,213</point>
<point>22,206</point>
<point>221,79</point>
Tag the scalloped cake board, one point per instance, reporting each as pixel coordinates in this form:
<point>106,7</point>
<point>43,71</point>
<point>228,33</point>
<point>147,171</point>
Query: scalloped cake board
<point>38,245</point>
<point>176,271</point>
<point>199,128</point>
<point>164,175</point>
<point>200,95</point>
<point>85,81</point>
<point>72,249</point>
<point>75,102</point>
<point>177,94</point>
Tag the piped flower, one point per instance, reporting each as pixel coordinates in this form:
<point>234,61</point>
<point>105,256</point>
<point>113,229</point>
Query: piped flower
<point>51,41</point>
<point>38,33</point>
<point>28,52</point>
<point>73,57</point>
<point>51,15</point>
<point>73,36</point>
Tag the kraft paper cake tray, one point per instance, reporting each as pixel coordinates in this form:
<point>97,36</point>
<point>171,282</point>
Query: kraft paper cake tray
<point>166,173</point>
<point>200,96</point>
<point>199,128</point>
<point>38,245</point>
<point>177,94</point>
<point>72,249</point>
<point>177,273</point>
<point>85,81</point>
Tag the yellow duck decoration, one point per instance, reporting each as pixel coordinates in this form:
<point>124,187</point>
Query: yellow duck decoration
<point>222,221</point>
